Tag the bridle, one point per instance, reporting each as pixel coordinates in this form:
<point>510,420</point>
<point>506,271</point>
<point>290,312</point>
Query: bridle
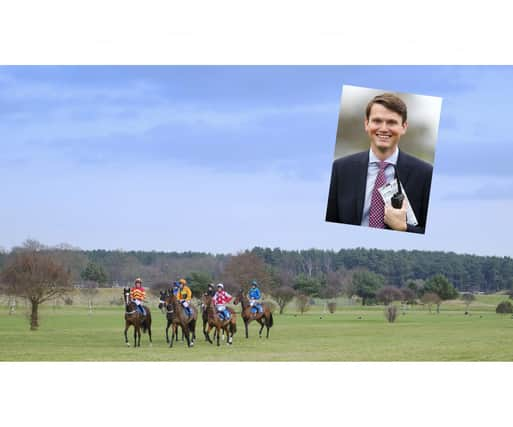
<point>127,303</point>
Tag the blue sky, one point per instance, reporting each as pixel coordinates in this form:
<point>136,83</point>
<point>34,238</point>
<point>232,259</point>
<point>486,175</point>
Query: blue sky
<point>221,159</point>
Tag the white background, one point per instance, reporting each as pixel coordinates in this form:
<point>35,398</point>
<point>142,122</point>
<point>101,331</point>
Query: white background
<point>264,32</point>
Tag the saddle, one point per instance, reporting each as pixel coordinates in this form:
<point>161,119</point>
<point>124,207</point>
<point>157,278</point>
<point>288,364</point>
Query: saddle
<point>224,315</point>
<point>257,308</point>
<point>187,311</point>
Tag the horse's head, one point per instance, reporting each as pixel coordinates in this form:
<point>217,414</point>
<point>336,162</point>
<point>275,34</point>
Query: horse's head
<point>239,296</point>
<point>206,300</point>
<point>162,299</point>
<point>126,295</point>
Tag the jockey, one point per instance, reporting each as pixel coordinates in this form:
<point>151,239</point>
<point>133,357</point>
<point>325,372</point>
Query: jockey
<point>220,299</point>
<point>137,295</point>
<point>184,296</point>
<point>254,298</point>
<point>175,289</point>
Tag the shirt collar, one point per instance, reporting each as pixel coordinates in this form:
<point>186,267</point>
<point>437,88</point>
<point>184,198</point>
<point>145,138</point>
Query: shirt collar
<point>392,159</point>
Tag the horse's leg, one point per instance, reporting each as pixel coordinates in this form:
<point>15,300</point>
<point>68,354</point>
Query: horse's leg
<point>227,328</point>
<point>192,328</point>
<point>207,334</point>
<point>185,330</point>
<point>218,333</point>
<point>149,333</point>
<point>173,332</point>
<point>204,328</point>
<point>135,336</point>
<point>127,325</point>
<point>262,323</point>
<point>246,326</point>
<point>167,329</point>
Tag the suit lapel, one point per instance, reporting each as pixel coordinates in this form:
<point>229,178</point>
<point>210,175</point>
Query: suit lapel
<point>403,167</point>
<point>360,183</point>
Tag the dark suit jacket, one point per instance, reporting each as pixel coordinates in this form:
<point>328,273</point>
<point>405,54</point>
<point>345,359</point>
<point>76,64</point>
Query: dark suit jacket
<point>348,181</point>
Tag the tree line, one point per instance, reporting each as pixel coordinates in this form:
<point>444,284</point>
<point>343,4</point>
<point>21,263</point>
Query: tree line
<point>38,272</point>
<point>314,269</point>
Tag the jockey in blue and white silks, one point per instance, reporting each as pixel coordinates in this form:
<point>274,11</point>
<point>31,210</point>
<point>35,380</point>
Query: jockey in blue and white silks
<point>254,298</point>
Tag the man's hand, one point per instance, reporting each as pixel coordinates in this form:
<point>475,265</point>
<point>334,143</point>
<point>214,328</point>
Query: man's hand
<point>396,218</point>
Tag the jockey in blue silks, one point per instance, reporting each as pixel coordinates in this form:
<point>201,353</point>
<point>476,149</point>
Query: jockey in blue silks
<point>254,298</point>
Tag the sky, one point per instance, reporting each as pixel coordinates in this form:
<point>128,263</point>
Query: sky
<point>222,159</point>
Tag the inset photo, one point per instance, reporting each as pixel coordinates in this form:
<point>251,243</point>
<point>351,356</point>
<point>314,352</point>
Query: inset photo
<point>383,163</point>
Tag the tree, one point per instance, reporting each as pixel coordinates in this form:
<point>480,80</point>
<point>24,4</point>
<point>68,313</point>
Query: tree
<point>302,303</point>
<point>89,290</point>
<point>366,283</point>
<point>307,285</point>
<point>94,276</point>
<point>94,273</point>
<point>504,307</point>
<point>416,286</point>
<point>388,294</point>
<point>243,268</point>
<point>431,298</point>
<point>198,281</point>
<point>409,296</point>
<point>442,287</point>
<point>34,275</point>
<point>283,295</point>
<point>468,298</point>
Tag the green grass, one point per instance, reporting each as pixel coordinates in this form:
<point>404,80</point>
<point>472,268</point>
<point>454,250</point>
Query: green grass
<point>353,333</point>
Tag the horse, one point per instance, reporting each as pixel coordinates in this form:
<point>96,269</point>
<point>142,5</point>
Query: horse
<point>228,326</point>
<point>176,316</point>
<point>265,318</point>
<point>163,309</point>
<point>135,318</point>
<point>204,317</point>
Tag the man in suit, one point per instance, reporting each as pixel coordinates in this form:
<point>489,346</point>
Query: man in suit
<point>354,197</point>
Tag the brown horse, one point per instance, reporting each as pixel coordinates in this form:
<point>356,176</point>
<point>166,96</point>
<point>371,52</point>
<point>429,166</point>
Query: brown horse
<point>135,318</point>
<point>265,318</point>
<point>204,317</point>
<point>176,316</point>
<point>228,326</point>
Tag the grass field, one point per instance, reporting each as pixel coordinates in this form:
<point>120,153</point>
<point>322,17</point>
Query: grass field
<point>353,333</point>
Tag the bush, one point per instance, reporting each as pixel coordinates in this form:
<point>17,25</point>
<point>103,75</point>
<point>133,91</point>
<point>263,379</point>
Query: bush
<point>332,307</point>
<point>391,313</point>
<point>68,301</point>
<point>504,307</point>
<point>271,304</point>
<point>116,301</point>
<point>303,303</point>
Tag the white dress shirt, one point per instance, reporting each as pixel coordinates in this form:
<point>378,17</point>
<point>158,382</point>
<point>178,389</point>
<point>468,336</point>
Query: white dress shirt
<point>372,174</point>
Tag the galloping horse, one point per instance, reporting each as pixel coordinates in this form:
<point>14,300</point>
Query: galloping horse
<point>228,326</point>
<point>176,316</point>
<point>135,318</point>
<point>265,318</point>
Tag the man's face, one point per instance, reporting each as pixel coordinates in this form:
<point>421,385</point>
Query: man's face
<point>384,127</point>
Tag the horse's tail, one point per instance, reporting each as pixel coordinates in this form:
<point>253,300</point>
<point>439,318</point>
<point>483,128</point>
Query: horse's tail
<point>234,327</point>
<point>271,321</point>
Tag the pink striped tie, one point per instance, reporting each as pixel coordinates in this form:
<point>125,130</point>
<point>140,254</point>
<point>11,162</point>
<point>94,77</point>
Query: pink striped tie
<point>377,206</point>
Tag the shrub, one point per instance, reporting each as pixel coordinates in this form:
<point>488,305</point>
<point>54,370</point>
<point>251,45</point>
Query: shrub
<point>302,303</point>
<point>68,301</point>
<point>332,307</point>
<point>391,313</point>
<point>504,307</point>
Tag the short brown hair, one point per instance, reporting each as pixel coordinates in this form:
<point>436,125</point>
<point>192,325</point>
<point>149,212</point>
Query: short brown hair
<point>389,101</point>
